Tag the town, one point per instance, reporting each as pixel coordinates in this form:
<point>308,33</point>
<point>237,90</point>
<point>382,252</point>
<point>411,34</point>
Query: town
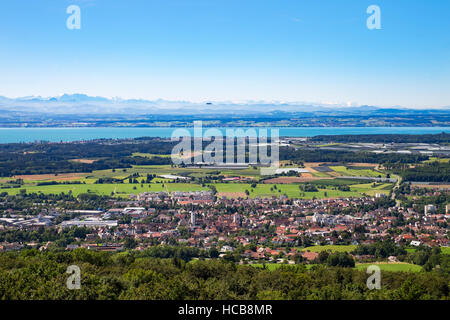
<point>257,230</point>
<point>121,211</point>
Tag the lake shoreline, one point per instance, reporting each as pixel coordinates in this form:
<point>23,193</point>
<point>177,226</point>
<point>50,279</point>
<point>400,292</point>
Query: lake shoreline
<point>72,134</point>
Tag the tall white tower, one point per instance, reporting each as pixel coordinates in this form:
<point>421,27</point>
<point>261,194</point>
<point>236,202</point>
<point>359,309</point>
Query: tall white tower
<point>192,219</point>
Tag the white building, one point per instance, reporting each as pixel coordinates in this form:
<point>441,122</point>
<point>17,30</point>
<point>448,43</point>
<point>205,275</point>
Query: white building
<point>226,249</point>
<point>429,208</point>
<point>415,243</point>
<point>93,223</point>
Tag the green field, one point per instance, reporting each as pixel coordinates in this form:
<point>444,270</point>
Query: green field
<point>291,190</point>
<point>435,159</point>
<point>320,174</point>
<point>275,266</point>
<point>444,250</point>
<point>238,189</point>
<point>338,182</point>
<point>357,172</point>
<point>122,189</point>
<point>167,169</point>
<point>368,188</point>
<point>392,267</point>
<point>357,187</point>
<point>334,248</point>
<point>150,155</point>
<point>395,267</point>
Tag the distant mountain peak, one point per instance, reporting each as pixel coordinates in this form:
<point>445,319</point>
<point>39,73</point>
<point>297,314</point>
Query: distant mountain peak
<point>80,103</point>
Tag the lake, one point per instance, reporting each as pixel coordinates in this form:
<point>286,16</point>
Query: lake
<point>11,135</point>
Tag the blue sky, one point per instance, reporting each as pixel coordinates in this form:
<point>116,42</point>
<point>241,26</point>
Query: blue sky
<point>198,50</point>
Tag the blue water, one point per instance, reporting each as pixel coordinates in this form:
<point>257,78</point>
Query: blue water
<point>10,135</point>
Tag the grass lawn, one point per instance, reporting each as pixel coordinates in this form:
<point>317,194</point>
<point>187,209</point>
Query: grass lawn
<point>150,155</point>
<point>167,169</point>
<point>320,174</point>
<point>122,189</point>
<point>395,267</point>
<point>368,189</point>
<point>334,248</point>
<point>444,250</point>
<point>338,182</point>
<point>356,172</point>
<point>329,145</point>
<point>291,190</point>
<point>435,159</point>
<point>274,266</point>
<point>357,187</point>
<point>261,190</point>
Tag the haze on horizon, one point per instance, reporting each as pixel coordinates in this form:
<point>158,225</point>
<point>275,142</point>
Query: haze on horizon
<point>201,50</point>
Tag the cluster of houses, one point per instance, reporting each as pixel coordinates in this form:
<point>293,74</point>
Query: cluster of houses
<point>273,227</point>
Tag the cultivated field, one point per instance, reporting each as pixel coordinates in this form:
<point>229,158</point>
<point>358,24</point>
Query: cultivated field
<point>345,171</point>
<point>290,190</point>
<point>328,187</point>
<point>51,177</point>
<point>122,189</point>
<point>287,180</point>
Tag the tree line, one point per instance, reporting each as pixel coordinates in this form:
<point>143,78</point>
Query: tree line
<point>428,172</point>
<point>385,138</point>
<point>30,274</point>
<point>320,155</point>
<point>41,158</point>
